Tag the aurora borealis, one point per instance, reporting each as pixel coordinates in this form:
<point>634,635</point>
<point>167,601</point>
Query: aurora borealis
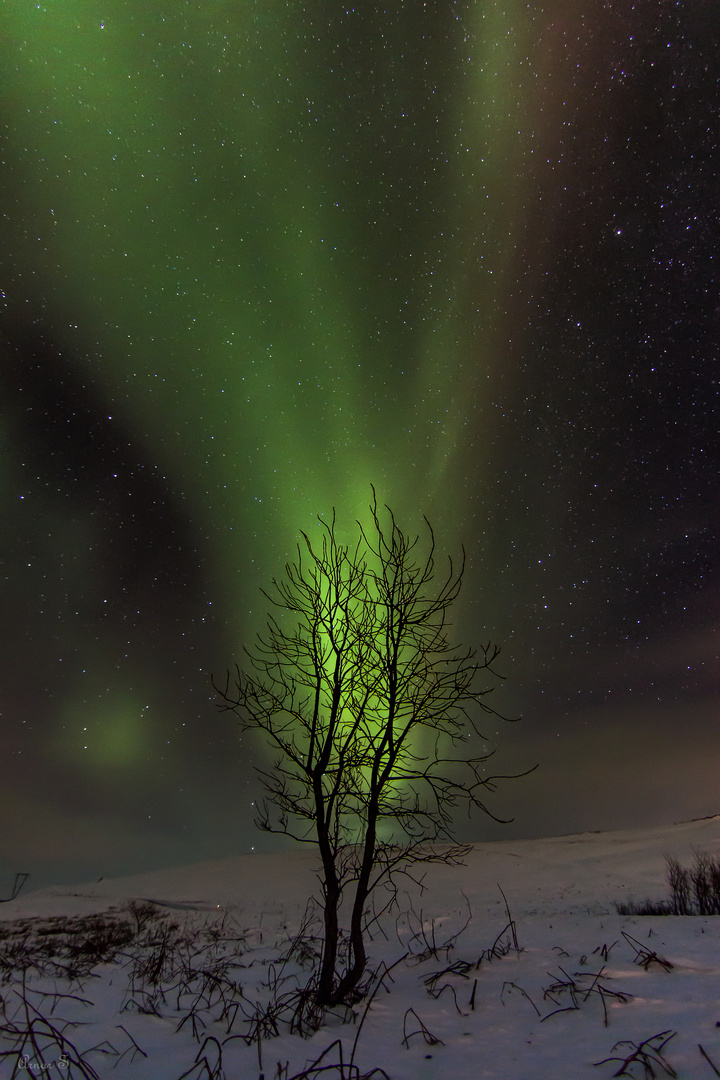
<point>259,256</point>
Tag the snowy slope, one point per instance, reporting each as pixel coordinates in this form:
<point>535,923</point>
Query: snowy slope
<point>174,987</point>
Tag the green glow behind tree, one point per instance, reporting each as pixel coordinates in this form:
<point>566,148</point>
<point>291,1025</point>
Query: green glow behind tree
<point>372,714</point>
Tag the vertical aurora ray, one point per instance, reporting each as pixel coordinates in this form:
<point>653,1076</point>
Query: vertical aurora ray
<point>277,274</point>
<point>280,246</point>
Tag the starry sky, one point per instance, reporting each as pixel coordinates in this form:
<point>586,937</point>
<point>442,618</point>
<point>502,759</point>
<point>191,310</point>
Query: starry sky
<point>258,256</point>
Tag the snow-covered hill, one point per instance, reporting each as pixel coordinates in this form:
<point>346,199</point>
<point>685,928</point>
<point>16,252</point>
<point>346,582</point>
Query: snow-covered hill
<point>166,974</point>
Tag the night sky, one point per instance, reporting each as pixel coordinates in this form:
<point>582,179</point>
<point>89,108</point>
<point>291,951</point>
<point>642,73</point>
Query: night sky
<point>258,256</point>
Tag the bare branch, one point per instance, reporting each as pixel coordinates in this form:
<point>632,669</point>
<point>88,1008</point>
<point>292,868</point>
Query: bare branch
<point>371,711</point>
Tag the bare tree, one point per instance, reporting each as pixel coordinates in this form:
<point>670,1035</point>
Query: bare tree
<point>372,714</point>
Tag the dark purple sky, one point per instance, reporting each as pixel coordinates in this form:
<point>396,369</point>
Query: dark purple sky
<point>255,261</point>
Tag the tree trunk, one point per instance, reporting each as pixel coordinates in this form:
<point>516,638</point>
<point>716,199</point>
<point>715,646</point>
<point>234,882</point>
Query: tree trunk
<point>357,960</point>
<point>330,945</point>
<point>331,896</point>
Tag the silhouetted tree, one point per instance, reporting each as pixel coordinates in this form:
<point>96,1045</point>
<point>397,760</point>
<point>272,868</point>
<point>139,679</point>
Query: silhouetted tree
<point>372,714</point>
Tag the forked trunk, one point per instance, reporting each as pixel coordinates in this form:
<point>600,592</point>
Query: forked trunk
<point>357,959</point>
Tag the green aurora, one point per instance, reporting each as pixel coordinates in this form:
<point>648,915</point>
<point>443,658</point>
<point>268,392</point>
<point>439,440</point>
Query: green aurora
<point>275,257</point>
<point>293,250</point>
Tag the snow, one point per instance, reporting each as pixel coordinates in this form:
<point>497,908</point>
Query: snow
<point>585,984</point>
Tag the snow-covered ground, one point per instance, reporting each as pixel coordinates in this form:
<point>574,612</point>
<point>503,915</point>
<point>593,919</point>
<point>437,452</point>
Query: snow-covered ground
<point>158,992</point>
